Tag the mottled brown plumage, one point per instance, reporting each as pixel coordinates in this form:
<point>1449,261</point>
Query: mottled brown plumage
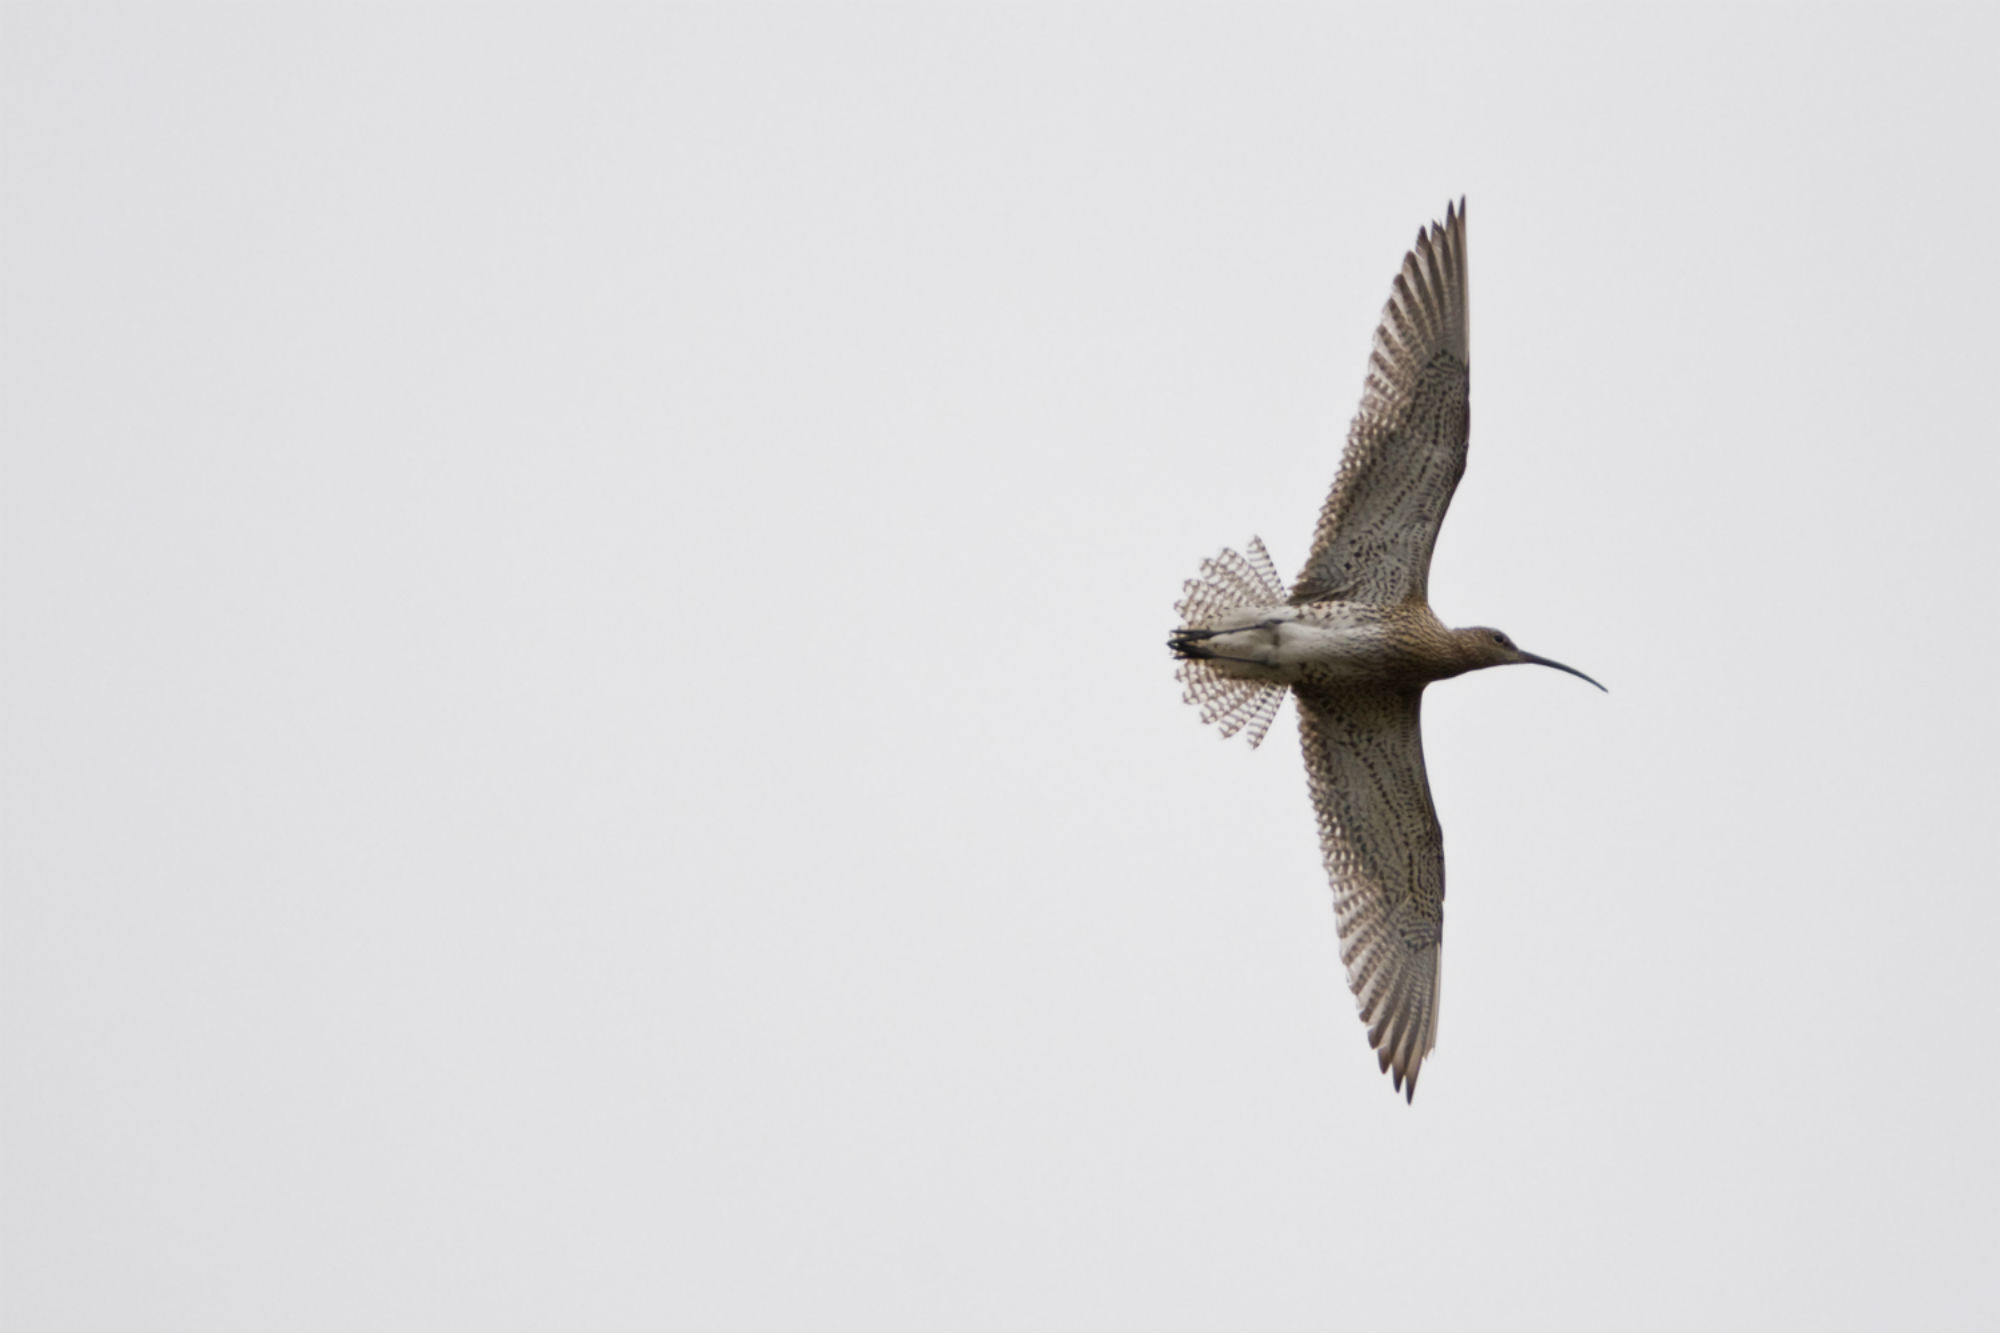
<point>1355,641</point>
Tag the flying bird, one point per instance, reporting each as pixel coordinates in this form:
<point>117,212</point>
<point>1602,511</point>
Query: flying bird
<point>1355,642</point>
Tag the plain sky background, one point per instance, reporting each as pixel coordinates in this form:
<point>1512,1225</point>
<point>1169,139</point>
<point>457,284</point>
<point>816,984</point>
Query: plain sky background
<point>587,737</point>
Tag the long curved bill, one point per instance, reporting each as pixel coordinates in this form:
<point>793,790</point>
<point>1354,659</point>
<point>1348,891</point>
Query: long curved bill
<point>1543,661</point>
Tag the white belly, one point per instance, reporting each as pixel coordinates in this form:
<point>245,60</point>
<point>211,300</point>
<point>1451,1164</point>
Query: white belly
<point>1278,644</point>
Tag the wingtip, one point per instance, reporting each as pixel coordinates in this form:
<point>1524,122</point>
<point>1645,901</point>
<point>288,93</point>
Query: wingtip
<point>1427,307</point>
<point>1454,221</point>
<point>1396,1061</point>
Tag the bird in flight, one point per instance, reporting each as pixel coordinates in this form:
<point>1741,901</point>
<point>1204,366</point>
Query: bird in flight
<point>1356,642</point>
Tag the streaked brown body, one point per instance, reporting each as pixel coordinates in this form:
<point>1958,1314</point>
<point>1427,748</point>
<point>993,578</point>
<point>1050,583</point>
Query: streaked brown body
<point>1356,642</point>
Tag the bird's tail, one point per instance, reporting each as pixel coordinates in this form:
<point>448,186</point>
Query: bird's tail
<point>1228,583</point>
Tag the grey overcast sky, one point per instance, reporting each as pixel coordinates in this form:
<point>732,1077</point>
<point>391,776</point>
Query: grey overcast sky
<point>587,736</point>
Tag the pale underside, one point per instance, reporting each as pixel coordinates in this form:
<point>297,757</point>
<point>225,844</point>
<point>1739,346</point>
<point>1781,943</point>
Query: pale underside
<point>1378,830</point>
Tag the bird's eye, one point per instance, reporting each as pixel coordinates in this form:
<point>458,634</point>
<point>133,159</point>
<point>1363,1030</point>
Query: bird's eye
<point>1502,639</point>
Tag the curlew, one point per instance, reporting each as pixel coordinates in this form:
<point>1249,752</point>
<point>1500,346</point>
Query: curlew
<point>1356,642</point>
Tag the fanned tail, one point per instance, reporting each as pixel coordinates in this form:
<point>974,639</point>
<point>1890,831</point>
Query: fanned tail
<point>1228,583</point>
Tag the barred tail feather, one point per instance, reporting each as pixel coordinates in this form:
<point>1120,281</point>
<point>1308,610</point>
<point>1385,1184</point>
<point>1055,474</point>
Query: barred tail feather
<point>1227,583</point>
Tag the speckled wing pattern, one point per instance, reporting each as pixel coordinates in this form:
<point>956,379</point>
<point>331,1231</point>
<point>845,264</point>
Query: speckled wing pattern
<point>1406,448</point>
<point>1384,853</point>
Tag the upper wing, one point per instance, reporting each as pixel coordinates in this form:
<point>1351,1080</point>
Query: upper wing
<point>1384,852</point>
<point>1406,448</point>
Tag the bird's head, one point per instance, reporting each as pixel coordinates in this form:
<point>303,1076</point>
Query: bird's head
<point>1484,646</point>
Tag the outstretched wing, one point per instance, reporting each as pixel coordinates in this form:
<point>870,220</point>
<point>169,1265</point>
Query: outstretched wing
<point>1406,448</point>
<point>1384,852</point>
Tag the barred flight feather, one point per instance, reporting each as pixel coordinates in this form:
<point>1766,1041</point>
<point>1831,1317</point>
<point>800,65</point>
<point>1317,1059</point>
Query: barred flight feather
<point>1228,583</point>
